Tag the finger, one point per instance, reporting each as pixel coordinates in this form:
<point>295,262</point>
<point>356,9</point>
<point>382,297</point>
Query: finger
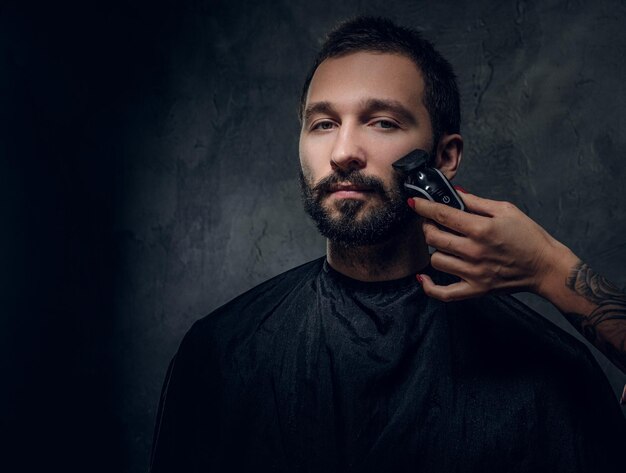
<point>454,219</point>
<point>453,292</point>
<point>445,241</point>
<point>480,205</point>
<point>452,264</point>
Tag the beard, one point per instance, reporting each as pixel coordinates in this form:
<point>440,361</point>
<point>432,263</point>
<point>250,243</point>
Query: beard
<point>383,215</point>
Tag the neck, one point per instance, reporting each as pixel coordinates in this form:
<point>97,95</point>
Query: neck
<point>402,255</point>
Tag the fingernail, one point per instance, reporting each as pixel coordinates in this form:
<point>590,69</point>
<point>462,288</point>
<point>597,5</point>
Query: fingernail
<point>411,202</point>
<point>460,189</point>
<point>419,279</point>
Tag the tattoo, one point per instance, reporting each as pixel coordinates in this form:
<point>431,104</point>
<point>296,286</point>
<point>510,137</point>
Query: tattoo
<point>605,327</point>
<point>592,286</point>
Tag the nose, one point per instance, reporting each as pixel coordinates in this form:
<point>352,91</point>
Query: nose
<point>347,152</point>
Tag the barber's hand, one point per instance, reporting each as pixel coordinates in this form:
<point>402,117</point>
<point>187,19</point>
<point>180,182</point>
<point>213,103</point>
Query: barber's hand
<point>494,248</point>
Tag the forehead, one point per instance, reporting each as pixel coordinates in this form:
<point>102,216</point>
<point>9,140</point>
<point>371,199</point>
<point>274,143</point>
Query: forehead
<point>359,76</point>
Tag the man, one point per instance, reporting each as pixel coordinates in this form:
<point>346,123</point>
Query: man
<point>344,363</point>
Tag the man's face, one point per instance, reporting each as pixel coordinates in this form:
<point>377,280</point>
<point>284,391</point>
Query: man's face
<point>363,112</point>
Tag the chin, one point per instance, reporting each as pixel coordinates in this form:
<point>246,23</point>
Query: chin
<point>342,208</point>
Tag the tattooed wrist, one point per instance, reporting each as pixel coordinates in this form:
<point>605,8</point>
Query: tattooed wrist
<point>592,286</point>
<point>605,326</point>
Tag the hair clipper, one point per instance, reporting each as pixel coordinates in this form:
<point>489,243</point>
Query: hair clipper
<point>422,180</point>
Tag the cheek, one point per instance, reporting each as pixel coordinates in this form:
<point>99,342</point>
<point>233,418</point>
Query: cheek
<point>307,173</point>
<point>311,161</point>
<point>304,154</point>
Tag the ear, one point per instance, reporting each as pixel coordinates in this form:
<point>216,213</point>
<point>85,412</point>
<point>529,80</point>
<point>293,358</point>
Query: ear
<point>449,153</point>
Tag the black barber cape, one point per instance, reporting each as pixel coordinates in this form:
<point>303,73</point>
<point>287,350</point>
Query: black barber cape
<point>312,371</point>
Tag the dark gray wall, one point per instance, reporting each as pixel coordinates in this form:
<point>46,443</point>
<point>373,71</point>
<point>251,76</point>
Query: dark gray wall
<point>149,175</point>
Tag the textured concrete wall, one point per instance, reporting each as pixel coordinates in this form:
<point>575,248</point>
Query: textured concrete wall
<point>169,179</point>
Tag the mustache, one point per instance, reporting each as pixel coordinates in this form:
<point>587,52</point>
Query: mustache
<point>355,177</point>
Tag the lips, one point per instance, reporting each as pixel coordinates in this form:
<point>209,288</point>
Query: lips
<point>348,191</point>
<point>343,187</point>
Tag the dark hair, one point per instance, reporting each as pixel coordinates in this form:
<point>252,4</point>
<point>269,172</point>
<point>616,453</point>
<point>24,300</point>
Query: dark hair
<point>441,94</point>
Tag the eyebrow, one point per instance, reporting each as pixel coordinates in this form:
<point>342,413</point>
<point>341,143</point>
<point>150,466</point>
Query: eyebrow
<point>367,106</point>
<point>321,108</point>
<point>393,106</point>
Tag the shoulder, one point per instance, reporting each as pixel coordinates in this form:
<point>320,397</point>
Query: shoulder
<point>500,325</point>
<point>504,336</point>
<point>503,324</point>
<point>244,312</point>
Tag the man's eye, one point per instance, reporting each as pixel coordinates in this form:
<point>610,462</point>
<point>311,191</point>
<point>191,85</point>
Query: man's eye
<point>323,126</point>
<point>385,124</point>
